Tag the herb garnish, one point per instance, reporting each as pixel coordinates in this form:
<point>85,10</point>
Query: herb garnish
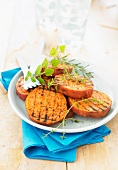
<point>47,71</point>
<point>75,120</point>
<point>59,57</point>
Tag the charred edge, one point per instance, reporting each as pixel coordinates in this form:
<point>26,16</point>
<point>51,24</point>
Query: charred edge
<point>33,114</point>
<point>43,87</point>
<point>38,117</point>
<point>106,103</point>
<point>46,117</point>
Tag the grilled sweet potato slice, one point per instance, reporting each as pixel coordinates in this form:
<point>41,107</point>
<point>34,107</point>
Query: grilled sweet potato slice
<point>60,69</point>
<point>97,106</point>
<point>20,91</point>
<point>75,87</point>
<point>46,107</point>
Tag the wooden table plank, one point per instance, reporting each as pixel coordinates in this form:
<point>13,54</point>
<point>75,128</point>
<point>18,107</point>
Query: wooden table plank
<point>99,156</point>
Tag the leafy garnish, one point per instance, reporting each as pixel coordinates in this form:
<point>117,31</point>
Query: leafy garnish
<point>26,78</point>
<point>49,71</point>
<point>45,63</point>
<point>62,48</point>
<point>33,79</point>
<point>29,74</point>
<point>41,80</point>
<point>53,52</point>
<point>50,83</point>
<point>38,70</point>
<point>63,136</point>
<point>55,62</point>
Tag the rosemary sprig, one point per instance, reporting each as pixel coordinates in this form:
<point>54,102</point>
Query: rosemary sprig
<point>78,68</point>
<point>61,124</point>
<point>59,53</point>
<point>87,100</point>
<point>73,119</point>
<point>53,130</point>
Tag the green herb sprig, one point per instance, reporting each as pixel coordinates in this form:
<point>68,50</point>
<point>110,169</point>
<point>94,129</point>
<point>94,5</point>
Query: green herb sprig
<point>78,68</point>
<point>75,120</point>
<point>59,57</point>
<point>59,53</point>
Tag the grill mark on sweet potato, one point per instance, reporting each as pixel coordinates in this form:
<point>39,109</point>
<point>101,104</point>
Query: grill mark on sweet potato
<point>46,117</point>
<point>92,108</point>
<point>106,106</point>
<point>70,82</point>
<point>74,88</point>
<point>81,105</point>
<point>33,114</point>
<point>96,110</point>
<point>107,102</point>
<point>38,117</point>
<point>95,106</point>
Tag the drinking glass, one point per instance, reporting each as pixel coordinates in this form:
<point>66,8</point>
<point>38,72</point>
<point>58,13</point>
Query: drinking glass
<point>68,18</point>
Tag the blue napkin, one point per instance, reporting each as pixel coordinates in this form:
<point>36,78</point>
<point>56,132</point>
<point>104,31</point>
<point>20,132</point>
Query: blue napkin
<point>6,77</point>
<point>52,147</point>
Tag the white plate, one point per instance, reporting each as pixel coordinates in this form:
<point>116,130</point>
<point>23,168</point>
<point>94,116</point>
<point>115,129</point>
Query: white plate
<point>70,127</point>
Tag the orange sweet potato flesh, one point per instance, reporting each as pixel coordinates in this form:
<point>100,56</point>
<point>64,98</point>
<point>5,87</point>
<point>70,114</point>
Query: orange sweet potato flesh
<point>20,91</point>
<point>92,108</point>
<point>46,107</point>
<point>74,88</point>
<point>60,69</point>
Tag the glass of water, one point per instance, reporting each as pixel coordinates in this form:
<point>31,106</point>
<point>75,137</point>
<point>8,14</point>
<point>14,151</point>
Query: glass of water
<point>68,18</point>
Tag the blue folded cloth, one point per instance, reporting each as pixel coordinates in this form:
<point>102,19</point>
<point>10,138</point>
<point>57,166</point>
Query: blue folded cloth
<point>6,77</point>
<point>52,147</point>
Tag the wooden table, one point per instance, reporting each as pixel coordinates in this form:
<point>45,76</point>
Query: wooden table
<point>100,48</point>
